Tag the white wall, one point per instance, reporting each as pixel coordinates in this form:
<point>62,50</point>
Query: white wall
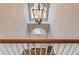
<point>64,19</point>
<point>12,20</point>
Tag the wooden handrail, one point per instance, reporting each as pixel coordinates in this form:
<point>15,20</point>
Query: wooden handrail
<point>39,41</point>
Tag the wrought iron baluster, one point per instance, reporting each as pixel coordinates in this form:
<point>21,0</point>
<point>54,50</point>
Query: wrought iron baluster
<point>12,49</point>
<point>69,49</point>
<point>2,51</point>
<point>6,49</point>
<point>17,48</point>
<point>58,48</point>
<point>52,51</point>
<point>63,49</point>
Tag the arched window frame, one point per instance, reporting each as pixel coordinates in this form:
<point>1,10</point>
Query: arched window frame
<point>38,31</point>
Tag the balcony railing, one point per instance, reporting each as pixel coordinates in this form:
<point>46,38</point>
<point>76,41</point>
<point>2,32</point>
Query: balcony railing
<point>39,47</point>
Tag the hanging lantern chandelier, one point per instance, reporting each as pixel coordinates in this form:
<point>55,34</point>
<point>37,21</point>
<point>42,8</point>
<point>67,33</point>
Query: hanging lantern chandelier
<point>38,12</point>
